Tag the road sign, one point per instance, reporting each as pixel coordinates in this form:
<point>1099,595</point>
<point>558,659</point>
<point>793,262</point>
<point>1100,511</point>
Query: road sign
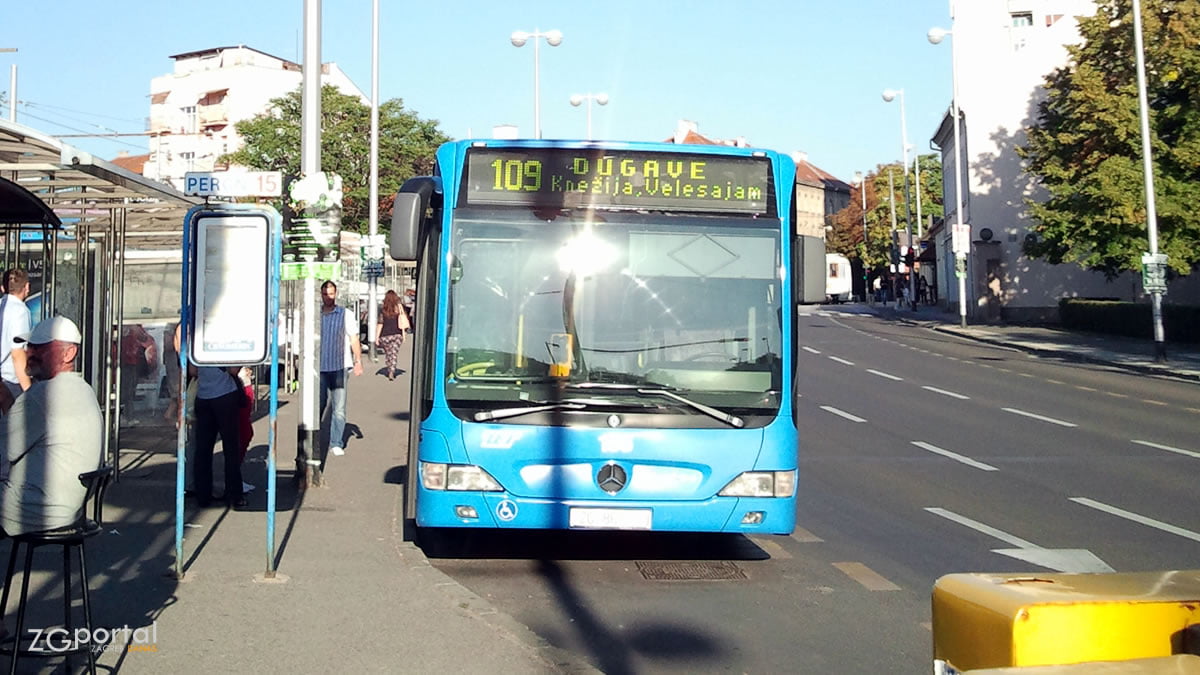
<point>233,183</point>
<point>1154,272</point>
<point>960,239</point>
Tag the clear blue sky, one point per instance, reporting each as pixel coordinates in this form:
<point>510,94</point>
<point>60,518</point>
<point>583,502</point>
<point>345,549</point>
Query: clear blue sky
<point>786,74</point>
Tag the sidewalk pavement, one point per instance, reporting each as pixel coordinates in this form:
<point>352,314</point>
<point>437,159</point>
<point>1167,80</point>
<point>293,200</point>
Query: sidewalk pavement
<point>1183,360</point>
<point>351,594</point>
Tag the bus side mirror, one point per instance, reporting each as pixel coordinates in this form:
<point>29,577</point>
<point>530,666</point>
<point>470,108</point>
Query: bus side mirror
<point>407,214</point>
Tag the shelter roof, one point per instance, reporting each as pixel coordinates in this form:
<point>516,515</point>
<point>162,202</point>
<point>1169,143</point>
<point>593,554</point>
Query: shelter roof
<point>19,206</point>
<point>84,189</point>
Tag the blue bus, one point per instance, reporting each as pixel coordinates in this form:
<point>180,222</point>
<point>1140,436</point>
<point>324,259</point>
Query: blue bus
<point>602,337</point>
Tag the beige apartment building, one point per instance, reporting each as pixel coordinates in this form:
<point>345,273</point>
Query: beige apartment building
<point>1005,48</point>
<point>194,108</point>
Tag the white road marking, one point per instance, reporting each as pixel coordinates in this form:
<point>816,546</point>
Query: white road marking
<point>1168,448</point>
<point>805,314</point>
<point>954,456</point>
<point>848,363</point>
<point>810,350</point>
<point>980,527</point>
<point>842,413</point>
<point>883,374</point>
<point>1063,560</point>
<point>1043,418</point>
<point>1144,520</point>
<point>943,392</point>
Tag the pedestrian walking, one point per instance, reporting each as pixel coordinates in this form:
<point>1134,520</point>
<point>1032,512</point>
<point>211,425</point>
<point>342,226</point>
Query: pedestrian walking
<point>389,334</point>
<point>341,354</point>
<point>14,320</point>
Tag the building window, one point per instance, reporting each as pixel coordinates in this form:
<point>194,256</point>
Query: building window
<point>189,119</point>
<point>1022,19</point>
<point>188,158</point>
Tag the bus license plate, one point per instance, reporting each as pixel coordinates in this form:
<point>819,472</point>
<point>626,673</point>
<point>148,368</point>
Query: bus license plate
<point>611,519</point>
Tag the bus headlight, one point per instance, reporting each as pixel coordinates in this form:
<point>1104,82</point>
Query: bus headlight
<point>457,477</point>
<point>761,484</point>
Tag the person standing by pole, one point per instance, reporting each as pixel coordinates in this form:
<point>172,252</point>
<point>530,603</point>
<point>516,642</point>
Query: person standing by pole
<point>341,354</point>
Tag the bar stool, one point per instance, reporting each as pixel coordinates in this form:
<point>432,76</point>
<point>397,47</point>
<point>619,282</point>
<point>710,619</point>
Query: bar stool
<point>71,536</point>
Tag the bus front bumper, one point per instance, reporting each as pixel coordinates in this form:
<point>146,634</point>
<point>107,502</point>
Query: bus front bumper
<point>749,515</point>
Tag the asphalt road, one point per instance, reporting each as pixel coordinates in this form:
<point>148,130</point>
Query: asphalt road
<point>922,454</point>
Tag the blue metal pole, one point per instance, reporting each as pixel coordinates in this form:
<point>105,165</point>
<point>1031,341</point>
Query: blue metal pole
<point>273,304</point>
<point>185,314</point>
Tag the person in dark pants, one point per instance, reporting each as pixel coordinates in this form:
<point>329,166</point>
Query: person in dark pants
<point>219,399</point>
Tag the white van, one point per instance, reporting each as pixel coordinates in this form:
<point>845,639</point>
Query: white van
<point>837,277</point>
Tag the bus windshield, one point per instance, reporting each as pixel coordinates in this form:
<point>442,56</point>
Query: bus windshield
<point>542,303</point>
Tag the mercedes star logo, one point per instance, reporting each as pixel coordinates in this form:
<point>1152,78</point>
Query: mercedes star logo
<point>611,478</point>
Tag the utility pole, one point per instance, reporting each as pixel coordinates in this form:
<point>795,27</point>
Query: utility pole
<point>310,164</point>
<point>895,245</point>
<point>1154,264</point>
<point>373,191</point>
<point>12,87</point>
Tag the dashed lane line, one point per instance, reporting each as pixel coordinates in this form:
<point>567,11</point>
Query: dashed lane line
<point>810,350</point>
<point>842,413</point>
<point>841,360</point>
<point>1043,418</point>
<point>954,456</point>
<point>943,392</point>
<point>1144,520</point>
<point>887,375</point>
<point>869,578</point>
<point>804,536</point>
<point>772,547</point>
<point>1168,448</point>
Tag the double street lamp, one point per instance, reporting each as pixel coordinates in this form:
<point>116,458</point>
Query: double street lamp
<point>600,99</point>
<point>890,95</point>
<point>961,237</point>
<point>553,38</point>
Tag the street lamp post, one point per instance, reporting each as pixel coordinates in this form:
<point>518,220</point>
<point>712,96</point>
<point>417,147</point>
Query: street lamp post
<point>600,99</point>
<point>1154,265</point>
<point>961,237</point>
<point>553,38</point>
<point>889,95</point>
<point>861,181</point>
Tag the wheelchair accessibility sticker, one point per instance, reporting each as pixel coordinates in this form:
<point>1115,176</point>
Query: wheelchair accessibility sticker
<point>506,510</point>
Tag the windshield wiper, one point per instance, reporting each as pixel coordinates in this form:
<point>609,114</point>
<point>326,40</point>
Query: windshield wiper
<point>665,391</point>
<point>499,413</point>
<point>731,420</point>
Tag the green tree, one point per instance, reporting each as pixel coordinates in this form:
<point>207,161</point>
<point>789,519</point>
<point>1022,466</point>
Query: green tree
<point>846,237</point>
<point>407,145</point>
<point>1085,148</point>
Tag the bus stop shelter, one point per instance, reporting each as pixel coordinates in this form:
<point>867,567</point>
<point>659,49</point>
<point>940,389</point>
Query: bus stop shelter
<point>73,220</point>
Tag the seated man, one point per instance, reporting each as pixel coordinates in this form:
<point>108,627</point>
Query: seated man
<point>49,435</point>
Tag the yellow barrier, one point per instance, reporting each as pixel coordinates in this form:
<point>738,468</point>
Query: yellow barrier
<point>1181,664</point>
<point>1006,620</point>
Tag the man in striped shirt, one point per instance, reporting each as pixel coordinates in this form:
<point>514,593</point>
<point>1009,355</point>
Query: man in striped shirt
<point>339,344</point>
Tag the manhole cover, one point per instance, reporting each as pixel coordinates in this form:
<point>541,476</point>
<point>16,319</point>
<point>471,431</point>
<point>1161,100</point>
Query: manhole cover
<point>690,570</point>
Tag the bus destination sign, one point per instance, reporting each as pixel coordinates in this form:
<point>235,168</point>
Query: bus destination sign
<point>618,179</point>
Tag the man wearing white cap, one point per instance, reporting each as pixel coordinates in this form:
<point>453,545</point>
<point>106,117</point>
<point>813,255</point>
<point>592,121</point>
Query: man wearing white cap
<point>49,436</point>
